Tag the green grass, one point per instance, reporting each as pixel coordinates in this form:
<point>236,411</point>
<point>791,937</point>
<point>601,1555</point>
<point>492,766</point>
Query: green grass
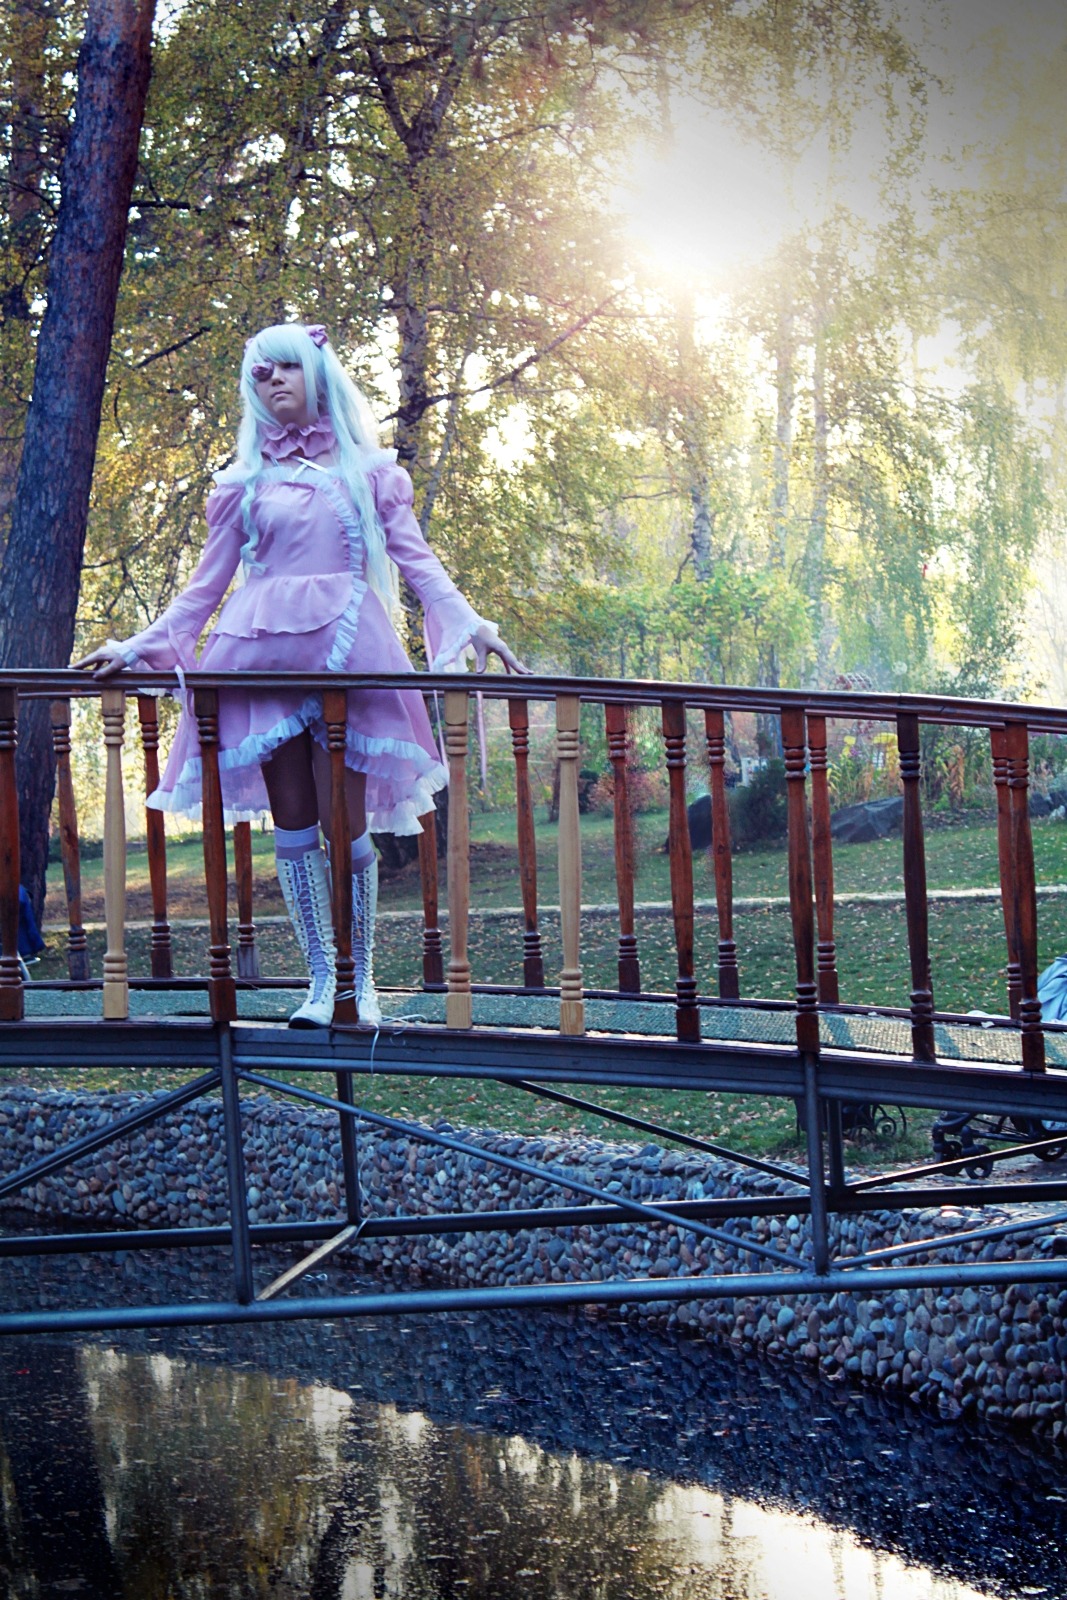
<point>956,858</point>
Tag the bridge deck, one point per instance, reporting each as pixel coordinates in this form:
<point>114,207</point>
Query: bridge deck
<point>982,1041</point>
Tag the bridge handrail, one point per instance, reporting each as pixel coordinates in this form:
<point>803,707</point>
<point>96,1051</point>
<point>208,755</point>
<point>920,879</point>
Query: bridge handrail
<point>803,717</point>
<point>848,704</point>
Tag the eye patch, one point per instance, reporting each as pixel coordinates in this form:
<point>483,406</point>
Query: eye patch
<point>261,371</point>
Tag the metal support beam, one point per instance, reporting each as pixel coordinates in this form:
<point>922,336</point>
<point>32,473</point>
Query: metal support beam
<point>820,1237</point>
<point>565,1180</point>
<point>548,1296</point>
<point>235,1168</point>
<point>773,1168</point>
<point>350,1151</point>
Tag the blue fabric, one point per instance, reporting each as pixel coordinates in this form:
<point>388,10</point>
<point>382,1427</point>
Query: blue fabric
<point>30,942</point>
<point>1052,991</point>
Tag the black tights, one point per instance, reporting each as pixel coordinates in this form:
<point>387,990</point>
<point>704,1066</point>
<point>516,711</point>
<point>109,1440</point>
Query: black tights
<point>298,786</point>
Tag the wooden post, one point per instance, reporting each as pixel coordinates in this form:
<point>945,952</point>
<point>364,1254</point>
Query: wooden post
<point>222,990</point>
<point>162,955</point>
<point>822,850</point>
<point>433,971</point>
<point>247,954</point>
<point>12,1002</point>
<point>571,1003</point>
<point>335,716</point>
<point>616,723</point>
<point>533,967</point>
<point>687,1013</point>
<point>77,951</point>
<point>998,739</point>
<point>922,989</point>
<point>722,855</point>
<point>458,999</point>
<point>1025,895</point>
<point>800,885</point>
<point>116,985</point>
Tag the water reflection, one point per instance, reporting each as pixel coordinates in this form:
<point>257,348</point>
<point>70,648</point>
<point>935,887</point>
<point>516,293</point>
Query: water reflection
<point>184,1476</point>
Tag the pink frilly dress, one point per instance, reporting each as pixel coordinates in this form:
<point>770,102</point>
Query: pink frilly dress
<point>305,606</point>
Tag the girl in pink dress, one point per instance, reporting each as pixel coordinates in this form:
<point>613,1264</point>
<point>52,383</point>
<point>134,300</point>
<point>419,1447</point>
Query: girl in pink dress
<point>318,518</point>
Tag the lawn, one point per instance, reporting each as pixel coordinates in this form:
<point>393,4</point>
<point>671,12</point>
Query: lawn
<point>960,858</point>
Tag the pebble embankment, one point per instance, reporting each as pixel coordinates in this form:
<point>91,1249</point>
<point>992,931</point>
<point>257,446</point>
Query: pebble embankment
<point>999,1353</point>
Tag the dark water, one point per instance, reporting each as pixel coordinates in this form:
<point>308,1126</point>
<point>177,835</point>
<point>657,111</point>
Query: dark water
<point>548,1457</point>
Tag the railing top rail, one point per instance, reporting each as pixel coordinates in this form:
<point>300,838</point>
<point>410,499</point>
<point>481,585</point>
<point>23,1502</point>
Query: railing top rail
<point>38,682</point>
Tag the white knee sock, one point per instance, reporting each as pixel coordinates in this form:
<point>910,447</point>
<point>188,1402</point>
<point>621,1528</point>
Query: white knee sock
<point>362,852</point>
<point>291,843</point>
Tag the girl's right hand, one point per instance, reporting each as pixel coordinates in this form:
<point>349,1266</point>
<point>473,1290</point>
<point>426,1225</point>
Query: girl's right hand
<point>106,659</point>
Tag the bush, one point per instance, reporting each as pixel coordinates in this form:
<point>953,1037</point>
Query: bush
<point>758,810</point>
<point>647,791</point>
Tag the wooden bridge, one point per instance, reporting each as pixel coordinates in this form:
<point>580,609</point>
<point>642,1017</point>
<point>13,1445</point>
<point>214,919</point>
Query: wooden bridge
<point>818,1050</point>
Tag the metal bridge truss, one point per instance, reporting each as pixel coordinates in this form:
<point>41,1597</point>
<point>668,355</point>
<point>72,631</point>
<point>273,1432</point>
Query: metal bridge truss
<point>232,1057</point>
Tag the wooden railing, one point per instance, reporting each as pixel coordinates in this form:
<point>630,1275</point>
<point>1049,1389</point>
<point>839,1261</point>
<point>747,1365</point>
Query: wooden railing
<point>802,718</point>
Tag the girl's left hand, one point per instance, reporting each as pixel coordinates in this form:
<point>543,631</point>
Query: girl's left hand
<point>488,642</point>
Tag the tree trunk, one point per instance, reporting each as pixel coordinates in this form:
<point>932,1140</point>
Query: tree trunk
<point>41,573</point>
<point>820,499</point>
<point>693,428</point>
<point>770,667</point>
<point>28,25</point>
<point>785,387</point>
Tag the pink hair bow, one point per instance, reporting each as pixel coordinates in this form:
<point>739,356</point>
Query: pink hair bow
<point>316,333</point>
<point>261,371</point>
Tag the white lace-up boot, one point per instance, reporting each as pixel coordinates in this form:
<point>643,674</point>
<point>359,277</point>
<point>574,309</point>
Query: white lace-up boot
<point>364,914</point>
<point>306,888</point>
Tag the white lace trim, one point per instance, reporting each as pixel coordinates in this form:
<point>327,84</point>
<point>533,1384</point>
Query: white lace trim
<point>458,642</point>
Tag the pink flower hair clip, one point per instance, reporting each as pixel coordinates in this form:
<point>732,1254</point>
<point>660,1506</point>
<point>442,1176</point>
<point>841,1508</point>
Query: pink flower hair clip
<point>261,371</point>
<point>317,334</point>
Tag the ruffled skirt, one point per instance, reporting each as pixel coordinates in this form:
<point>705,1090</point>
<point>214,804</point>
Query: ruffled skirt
<point>388,733</point>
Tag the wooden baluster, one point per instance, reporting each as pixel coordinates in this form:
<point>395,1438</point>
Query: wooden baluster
<point>687,1013</point>
<point>822,851</point>
<point>12,1001</point>
<point>335,716</point>
<point>247,953</point>
<point>77,951</point>
<point>998,739</point>
<point>618,732</point>
<point>722,855</point>
<point>1025,896</point>
<point>222,990</point>
<point>162,953</point>
<point>116,985</point>
<point>571,1003</point>
<point>458,999</point>
<point>922,989</point>
<point>800,885</point>
<point>533,966</point>
<point>433,971</point>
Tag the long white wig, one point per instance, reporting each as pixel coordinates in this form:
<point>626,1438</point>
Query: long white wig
<point>330,392</point>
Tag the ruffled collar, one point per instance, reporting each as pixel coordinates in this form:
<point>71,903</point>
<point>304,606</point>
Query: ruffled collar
<point>282,442</point>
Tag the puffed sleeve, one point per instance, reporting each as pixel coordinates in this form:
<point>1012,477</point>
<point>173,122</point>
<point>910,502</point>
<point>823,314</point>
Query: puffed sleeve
<point>171,640</point>
<point>450,621</point>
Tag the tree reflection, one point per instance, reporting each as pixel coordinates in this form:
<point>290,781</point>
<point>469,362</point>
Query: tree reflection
<point>198,1480</point>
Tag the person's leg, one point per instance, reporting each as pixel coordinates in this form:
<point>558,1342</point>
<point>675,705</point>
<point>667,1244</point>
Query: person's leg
<point>290,779</point>
<point>355,794</point>
<point>301,869</point>
<point>364,878</point>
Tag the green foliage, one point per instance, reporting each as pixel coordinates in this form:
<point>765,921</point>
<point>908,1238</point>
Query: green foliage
<point>718,481</point>
<point>758,810</point>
